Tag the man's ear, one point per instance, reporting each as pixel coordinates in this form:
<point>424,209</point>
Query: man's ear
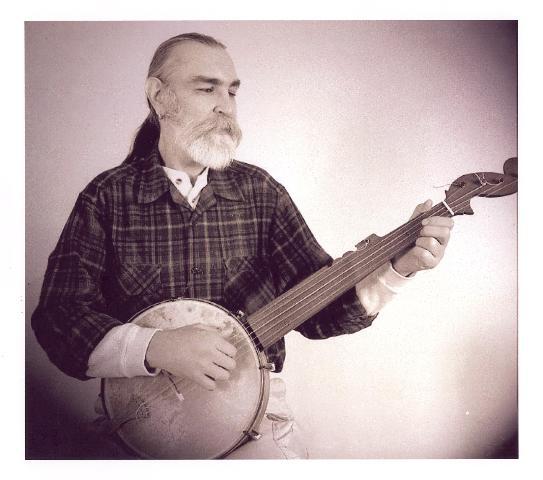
<point>153,89</point>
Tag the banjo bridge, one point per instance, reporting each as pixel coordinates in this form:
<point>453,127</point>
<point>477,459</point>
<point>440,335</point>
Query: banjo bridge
<point>252,434</point>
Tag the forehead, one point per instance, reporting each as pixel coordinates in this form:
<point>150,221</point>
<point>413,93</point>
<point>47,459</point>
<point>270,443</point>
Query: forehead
<point>189,59</point>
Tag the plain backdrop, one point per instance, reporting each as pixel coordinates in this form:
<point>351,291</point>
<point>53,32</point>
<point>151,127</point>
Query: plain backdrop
<point>360,121</point>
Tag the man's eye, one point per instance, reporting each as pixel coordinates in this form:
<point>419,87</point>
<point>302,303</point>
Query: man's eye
<point>207,90</point>
<point>232,94</point>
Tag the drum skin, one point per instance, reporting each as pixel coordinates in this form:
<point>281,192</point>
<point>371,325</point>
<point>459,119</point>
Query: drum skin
<point>168,417</point>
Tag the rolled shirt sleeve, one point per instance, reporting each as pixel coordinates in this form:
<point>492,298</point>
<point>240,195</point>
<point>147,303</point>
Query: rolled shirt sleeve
<point>380,287</point>
<point>121,353</point>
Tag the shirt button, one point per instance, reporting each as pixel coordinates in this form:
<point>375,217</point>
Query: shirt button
<point>196,270</point>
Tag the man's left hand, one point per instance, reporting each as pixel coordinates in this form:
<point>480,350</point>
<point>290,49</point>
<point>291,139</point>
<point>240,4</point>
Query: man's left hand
<point>430,245</point>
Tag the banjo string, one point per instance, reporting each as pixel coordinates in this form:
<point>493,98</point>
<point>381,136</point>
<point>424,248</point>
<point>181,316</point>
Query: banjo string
<point>298,296</point>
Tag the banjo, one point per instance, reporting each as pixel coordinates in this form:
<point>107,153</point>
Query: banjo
<point>169,417</point>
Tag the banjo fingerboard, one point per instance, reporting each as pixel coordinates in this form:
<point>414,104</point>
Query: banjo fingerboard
<point>320,289</point>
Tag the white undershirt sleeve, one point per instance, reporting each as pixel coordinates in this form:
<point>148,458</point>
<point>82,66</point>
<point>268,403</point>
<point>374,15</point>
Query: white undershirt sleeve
<point>379,287</point>
<point>121,353</point>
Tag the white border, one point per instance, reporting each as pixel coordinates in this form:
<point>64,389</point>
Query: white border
<point>12,352</point>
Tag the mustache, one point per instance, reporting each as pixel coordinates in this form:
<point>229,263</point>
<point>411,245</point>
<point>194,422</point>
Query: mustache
<point>218,124</point>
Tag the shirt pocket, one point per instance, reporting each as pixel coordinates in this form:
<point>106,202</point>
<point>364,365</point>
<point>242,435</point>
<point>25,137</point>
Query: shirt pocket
<point>134,279</point>
<point>133,287</point>
<point>249,284</point>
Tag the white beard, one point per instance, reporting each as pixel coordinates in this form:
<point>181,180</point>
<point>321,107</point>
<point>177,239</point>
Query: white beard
<point>211,143</point>
<point>213,150</point>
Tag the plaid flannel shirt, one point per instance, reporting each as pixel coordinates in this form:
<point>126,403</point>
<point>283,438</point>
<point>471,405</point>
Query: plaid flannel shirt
<point>132,240</point>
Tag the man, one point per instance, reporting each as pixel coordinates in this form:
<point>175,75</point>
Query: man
<point>181,218</point>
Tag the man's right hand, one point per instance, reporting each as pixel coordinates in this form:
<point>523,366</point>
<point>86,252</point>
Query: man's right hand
<point>193,351</point>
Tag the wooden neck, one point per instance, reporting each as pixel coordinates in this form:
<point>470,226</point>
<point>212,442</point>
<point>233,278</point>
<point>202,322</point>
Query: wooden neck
<point>297,305</point>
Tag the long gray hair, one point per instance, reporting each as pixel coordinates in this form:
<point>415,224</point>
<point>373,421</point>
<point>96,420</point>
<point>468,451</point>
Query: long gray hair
<point>149,131</point>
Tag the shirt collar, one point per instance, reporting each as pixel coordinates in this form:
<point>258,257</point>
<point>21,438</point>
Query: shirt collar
<point>224,184</point>
<point>153,181</point>
<point>182,182</point>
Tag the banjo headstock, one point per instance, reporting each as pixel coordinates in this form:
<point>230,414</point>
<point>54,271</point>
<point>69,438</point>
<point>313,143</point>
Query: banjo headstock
<point>481,184</point>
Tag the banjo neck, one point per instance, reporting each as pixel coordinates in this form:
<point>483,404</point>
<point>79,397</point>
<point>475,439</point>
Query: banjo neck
<point>310,296</point>
<point>297,305</point>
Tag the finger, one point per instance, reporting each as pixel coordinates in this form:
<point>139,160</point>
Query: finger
<point>226,347</point>
<point>431,245</point>
<point>216,372</point>
<point>224,361</point>
<point>441,234</point>
<point>439,221</point>
<point>421,208</point>
<point>424,258</point>
<point>205,381</point>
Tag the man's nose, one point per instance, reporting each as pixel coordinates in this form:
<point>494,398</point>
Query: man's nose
<point>224,110</point>
<point>225,106</point>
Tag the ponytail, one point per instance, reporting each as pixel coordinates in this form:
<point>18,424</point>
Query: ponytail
<point>146,138</point>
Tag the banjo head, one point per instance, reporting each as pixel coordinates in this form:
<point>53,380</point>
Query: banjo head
<point>172,417</point>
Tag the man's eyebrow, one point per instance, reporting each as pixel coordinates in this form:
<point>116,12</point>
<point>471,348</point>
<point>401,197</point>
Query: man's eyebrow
<point>213,81</point>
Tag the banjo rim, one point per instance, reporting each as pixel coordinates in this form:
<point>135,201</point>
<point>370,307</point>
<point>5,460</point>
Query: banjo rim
<point>248,433</point>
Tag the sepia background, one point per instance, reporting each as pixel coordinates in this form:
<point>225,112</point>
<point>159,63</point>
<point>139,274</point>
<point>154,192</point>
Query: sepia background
<point>360,121</point>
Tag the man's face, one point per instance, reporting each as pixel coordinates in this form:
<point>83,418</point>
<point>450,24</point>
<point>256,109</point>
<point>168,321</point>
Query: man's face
<point>201,85</point>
